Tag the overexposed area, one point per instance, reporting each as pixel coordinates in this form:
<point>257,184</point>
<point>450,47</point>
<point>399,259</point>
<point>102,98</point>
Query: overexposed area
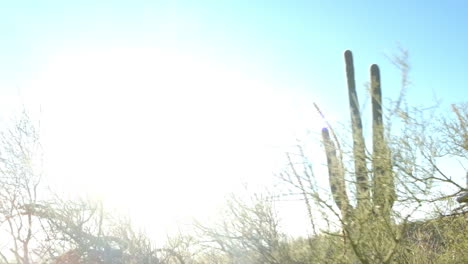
<point>233,132</point>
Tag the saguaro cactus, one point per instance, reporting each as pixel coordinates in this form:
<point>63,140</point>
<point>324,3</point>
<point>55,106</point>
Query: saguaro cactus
<point>375,188</point>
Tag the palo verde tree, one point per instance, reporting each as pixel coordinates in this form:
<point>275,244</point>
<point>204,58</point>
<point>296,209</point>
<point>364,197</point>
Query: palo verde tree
<point>37,226</point>
<point>248,232</point>
<point>20,180</point>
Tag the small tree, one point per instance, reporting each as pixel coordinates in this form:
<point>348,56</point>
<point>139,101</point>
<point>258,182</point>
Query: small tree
<point>36,227</point>
<point>248,233</point>
<point>20,177</point>
<point>83,232</point>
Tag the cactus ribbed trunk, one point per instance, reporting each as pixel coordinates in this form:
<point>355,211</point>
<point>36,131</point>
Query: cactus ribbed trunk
<point>336,175</point>
<point>383,184</point>
<point>362,180</point>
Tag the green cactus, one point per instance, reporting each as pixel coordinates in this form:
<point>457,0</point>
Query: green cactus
<point>383,183</point>
<point>370,219</point>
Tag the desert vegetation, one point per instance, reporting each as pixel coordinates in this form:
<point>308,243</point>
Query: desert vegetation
<point>391,201</point>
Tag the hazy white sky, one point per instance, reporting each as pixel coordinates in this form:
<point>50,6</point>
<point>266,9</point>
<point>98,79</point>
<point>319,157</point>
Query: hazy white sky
<point>170,104</point>
<point>167,131</point>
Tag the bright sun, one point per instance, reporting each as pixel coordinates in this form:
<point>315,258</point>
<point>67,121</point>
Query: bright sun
<point>161,134</point>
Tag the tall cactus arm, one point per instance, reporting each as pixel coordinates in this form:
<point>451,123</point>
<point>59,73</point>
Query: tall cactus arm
<point>362,179</point>
<point>383,182</point>
<point>336,175</point>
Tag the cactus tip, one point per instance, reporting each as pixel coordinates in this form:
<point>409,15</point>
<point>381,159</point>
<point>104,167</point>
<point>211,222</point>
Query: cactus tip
<point>325,131</point>
<point>348,57</point>
<point>374,68</point>
<point>348,54</point>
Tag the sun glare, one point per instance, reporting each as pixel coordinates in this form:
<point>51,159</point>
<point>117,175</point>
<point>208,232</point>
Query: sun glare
<point>153,131</point>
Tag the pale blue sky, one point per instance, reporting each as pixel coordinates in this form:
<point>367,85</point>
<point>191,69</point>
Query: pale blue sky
<point>282,40</point>
<point>201,92</point>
